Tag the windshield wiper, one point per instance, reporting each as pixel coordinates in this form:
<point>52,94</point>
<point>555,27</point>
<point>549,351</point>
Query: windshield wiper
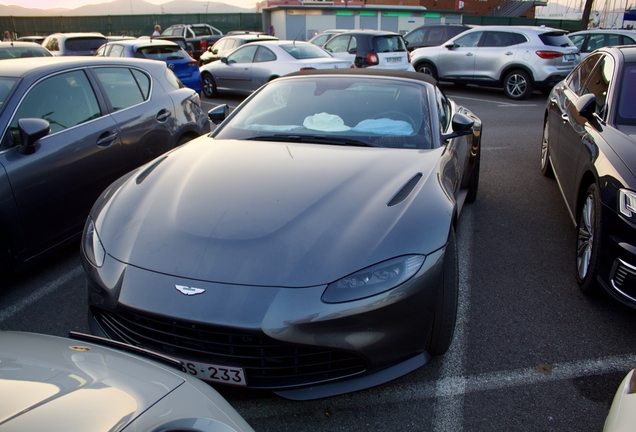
<point>316,139</point>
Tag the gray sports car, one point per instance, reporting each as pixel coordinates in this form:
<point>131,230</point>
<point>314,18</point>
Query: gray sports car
<point>307,246</point>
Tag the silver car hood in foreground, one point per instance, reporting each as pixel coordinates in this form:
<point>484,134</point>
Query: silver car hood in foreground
<point>56,383</point>
<point>274,214</point>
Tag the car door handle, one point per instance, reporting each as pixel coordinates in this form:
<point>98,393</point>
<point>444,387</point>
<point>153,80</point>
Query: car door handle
<point>469,54</point>
<point>565,117</point>
<point>509,53</point>
<point>163,115</point>
<point>106,138</point>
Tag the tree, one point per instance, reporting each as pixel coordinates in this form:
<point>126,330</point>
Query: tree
<point>585,19</point>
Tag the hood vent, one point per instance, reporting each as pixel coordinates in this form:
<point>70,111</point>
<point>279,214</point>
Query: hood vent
<point>141,177</point>
<point>405,191</point>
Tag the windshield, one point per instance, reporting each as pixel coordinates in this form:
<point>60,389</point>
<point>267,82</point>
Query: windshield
<point>627,95</point>
<point>339,110</point>
<point>6,85</point>
<point>21,52</point>
<point>84,44</point>
<point>305,51</point>
<point>556,39</point>
<point>162,52</point>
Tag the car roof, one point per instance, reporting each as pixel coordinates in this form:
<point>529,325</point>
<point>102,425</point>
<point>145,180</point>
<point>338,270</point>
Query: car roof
<point>18,44</point>
<point>47,65</point>
<point>628,51</point>
<point>250,37</point>
<point>368,72</point>
<point>610,31</point>
<point>142,43</point>
<point>372,32</point>
<point>535,29</point>
<point>78,35</point>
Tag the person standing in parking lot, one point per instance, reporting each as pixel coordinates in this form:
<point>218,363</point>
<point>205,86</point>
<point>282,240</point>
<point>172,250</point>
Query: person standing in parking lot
<point>157,31</point>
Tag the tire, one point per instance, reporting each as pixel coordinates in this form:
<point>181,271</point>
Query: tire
<point>427,69</point>
<point>588,241</point>
<point>473,183</point>
<point>546,166</point>
<point>446,302</point>
<point>518,85</point>
<point>209,86</point>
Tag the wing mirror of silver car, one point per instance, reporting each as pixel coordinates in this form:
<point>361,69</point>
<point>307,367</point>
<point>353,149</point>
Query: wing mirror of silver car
<point>31,130</point>
<point>219,113</point>
<point>462,125</point>
<point>450,46</point>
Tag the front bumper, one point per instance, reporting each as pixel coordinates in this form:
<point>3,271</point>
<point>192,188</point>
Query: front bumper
<point>618,257</point>
<point>286,339</point>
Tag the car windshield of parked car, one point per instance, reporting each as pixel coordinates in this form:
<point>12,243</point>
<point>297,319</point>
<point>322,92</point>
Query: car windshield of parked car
<point>162,53</point>
<point>336,110</point>
<point>383,44</point>
<point>6,85</point>
<point>305,51</point>
<point>84,44</point>
<point>557,39</point>
<point>627,97</point>
<point>21,52</point>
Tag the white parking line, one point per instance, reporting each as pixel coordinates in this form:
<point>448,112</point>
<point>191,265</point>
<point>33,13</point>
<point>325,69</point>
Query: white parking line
<point>11,310</point>
<point>455,389</point>
<point>499,103</point>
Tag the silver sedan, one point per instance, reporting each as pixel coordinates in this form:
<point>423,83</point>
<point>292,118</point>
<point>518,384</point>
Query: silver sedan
<point>252,65</point>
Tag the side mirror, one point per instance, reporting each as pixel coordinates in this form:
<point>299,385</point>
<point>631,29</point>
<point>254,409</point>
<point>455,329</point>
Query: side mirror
<point>450,46</point>
<point>462,125</point>
<point>31,130</point>
<point>219,113</point>
<point>215,51</point>
<point>224,60</point>
<point>586,105</point>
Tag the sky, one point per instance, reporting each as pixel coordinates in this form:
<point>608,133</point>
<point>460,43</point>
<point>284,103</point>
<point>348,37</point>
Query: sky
<point>71,4</point>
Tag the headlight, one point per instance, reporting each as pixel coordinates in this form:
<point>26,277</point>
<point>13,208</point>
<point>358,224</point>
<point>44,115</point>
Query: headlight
<point>92,245</point>
<point>373,280</point>
<point>627,204</point>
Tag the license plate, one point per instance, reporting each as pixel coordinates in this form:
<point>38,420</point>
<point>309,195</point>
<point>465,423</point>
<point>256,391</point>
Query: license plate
<point>569,57</point>
<point>393,59</point>
<point>216,373</point>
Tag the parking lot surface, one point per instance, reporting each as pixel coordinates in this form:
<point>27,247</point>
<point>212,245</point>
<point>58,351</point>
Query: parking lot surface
<point>530,352</point>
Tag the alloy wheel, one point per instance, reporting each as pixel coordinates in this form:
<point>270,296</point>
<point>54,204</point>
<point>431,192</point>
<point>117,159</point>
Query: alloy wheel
<point>585,241</point>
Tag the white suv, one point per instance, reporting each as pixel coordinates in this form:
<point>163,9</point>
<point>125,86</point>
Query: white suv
<point>517,58</point>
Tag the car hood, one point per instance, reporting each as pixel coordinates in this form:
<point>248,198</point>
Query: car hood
<point>274,214</point>
<point>52,382</point>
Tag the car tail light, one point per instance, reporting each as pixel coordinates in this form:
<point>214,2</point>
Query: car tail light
<point>408,56</point>
<point>372,59</point>
<point>204,44</point>
<point>193,63</point>
<point>307,68</point>
<point>549,54</point>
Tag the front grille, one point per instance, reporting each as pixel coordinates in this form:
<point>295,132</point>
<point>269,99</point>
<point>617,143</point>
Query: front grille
<point>623,278</point>
<point>268,363</point>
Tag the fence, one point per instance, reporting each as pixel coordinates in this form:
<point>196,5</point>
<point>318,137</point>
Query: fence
<point>570,25</point>
<point>126,25</point>
<point>139,25</point>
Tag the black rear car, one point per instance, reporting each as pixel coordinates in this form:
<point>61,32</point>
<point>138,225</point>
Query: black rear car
<point>589,145</point>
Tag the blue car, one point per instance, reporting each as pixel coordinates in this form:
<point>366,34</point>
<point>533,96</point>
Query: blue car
<point>183,66</point>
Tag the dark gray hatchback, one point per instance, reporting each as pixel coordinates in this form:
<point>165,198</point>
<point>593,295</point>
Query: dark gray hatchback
<point>68,128</point>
